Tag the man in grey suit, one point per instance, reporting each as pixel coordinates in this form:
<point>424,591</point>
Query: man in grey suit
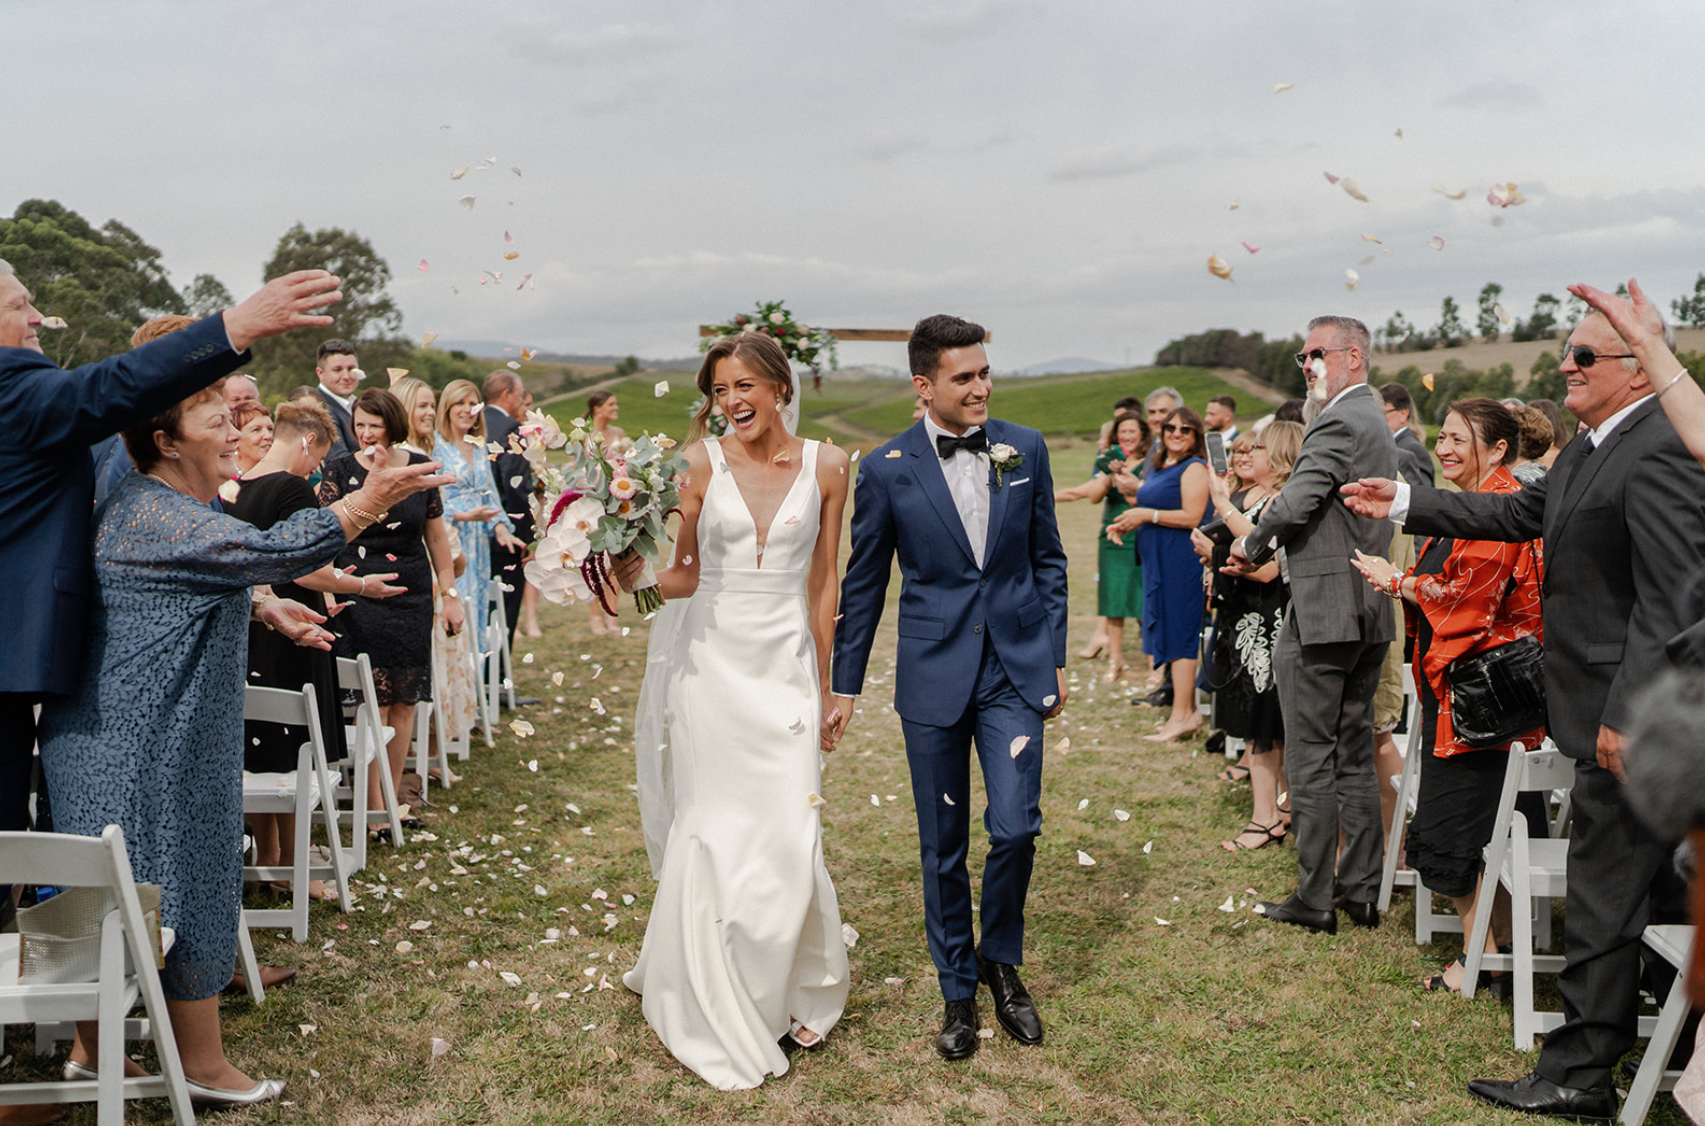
<point>1329,653</point>
<point>1622,513</point>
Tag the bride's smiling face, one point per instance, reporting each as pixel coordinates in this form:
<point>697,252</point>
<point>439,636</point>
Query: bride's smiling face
<point>750,402</point>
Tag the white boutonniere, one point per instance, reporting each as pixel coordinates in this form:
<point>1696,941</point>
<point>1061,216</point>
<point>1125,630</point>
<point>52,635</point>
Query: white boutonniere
<point>1003,459</point>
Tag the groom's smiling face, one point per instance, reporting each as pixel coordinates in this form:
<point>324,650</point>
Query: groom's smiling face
<point>958,396</point>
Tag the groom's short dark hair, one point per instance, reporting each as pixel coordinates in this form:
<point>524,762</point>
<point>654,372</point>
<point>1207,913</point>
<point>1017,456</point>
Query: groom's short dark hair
<point>934,335</point>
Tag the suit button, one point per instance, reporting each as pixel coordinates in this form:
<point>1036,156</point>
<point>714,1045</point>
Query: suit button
<point>982,583</point>
<point>977,629</point>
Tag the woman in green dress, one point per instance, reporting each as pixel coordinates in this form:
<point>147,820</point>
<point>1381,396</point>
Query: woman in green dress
<point>1119,588</point>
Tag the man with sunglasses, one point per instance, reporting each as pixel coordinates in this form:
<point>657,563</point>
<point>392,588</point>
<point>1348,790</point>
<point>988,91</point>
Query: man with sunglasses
<point>339,375</point>
<point>1328,657</point>
<point>1622,514</point>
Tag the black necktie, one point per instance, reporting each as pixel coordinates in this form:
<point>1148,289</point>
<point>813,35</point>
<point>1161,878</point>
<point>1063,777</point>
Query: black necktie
<point>975,442</point>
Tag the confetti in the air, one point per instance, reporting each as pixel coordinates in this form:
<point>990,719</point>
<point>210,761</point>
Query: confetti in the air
<point>1018,745</point>
<point>1427,381</point>
<point>1252,248</point>
<point>508,238</point>
<point>1352,279</point>
<point>1398,134</point>
<point>521,728</point>
<point>1084,859</point>
<point>1232,206</point>
<point>467,201</point>
<point>1505,195</point>
<point>458,173</point>
<point>660,388</point>
<point>1503,316</point>
<point>527,355</point>
<point>1373,238</point>
<point>515,170</point>
<point>1219,267</point>
<point>1436,242</point>
<point>1331,179</point>
<point>54,322</point>
<point>1353,190</point>
<point>1064,745</point>
<point>511,255</point>
<point>815,801</point>
<point>423,266</point>
<point>1447,193</point>
<point>1281,87</point>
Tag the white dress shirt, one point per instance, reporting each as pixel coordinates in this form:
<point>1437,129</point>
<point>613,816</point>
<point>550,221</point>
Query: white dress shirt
<point>347,404</point>
<point>1595,438</point>
<point>967,476</point>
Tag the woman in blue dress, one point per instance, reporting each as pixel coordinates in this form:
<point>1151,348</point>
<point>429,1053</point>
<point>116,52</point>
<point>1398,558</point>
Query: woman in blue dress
<point>471,504</point>
<point>153,740</point>
<point>1170,502</point>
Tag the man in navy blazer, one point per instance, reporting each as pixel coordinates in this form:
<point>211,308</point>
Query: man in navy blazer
<point>967,503</point>
<point>52,418</point>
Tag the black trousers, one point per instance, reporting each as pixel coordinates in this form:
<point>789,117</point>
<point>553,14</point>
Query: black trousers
<point>1620,879</point>
<point>17,758</point>
<point>506,569</point>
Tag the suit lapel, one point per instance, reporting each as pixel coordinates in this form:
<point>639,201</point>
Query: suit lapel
<point>926,468</point>
<point>997,496</point>
<point>1584,467</point>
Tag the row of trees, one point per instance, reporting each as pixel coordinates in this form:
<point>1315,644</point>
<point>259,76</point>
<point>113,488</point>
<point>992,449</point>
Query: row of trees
<point>105,281</point>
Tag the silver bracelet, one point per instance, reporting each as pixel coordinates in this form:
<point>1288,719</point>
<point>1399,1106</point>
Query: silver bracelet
<point>1672,382</point>
<point>362,589</point>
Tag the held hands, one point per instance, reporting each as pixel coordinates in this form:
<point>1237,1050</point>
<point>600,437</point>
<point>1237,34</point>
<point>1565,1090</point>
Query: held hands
<point>281,305</point>
<point>295,621</point>
<point>1611,745</point>
<point>837,713</point>
<point>1370,497</point>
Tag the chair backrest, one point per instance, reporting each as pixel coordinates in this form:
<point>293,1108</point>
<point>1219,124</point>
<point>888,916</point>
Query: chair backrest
<point>63,860</point>
<point>1545,770</point>
<point>280,705</point>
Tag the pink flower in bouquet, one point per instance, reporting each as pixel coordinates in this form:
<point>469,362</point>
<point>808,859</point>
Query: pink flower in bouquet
<point>623,487</point>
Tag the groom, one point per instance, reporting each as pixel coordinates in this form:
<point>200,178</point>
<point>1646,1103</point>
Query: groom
<point>968,505</point>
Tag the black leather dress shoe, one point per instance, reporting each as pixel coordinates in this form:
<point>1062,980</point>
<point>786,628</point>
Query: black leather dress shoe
<point>1361,914</point>
<point>1160,698</point>
<point>958,1037</point>
<point>1295,912</point>
<point>1014,1009</point>
<point>1538,1095</point>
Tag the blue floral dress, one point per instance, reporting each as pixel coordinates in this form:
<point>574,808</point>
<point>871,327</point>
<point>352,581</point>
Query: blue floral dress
<point>474,488</point>
<point>153,739</point>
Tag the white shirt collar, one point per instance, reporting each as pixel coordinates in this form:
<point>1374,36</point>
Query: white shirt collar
<point>347,404</point>
<point>1604,429</point>
<point>934,431</point>
<point>1333,401</point>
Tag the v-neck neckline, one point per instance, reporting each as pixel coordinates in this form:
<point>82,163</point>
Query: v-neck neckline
<point>761,539</point>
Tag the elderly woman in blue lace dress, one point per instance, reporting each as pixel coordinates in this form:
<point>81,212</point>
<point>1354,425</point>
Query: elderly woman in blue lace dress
<point>153,741</point>
<point>471,502</point>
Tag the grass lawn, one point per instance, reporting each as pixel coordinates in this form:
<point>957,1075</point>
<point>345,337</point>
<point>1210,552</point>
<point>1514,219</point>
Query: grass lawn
<point>1161,1007</point>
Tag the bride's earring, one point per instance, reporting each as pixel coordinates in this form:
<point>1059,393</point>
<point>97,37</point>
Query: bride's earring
<point>779,403</point>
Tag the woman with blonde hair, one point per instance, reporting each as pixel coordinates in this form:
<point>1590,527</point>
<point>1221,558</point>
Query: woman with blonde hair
<point>420,407</point>
<point>1251,612</point>
<point>471,504</point>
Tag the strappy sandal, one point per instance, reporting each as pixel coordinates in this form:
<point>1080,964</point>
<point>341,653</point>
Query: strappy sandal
<point>1269,834</point>
<point>1499,985</point>
<point>803,1037</point>
<point>1230,774</point>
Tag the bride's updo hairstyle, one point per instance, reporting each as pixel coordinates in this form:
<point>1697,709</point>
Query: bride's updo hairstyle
<point>756,350</point>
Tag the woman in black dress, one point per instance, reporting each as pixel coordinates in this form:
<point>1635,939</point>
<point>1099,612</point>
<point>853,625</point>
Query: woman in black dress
<point>411,541</point>
<point>271,490</point>
<point>1251,610</point>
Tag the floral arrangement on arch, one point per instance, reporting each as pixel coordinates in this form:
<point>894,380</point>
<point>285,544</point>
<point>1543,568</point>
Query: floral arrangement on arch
<point>809,346</point>
<point>596,505</point>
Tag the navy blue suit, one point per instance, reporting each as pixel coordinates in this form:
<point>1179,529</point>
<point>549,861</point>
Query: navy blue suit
<point>978,650</point>
<point>52,417</point>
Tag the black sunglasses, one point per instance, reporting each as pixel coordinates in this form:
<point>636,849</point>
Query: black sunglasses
<point>1585,357</point>
<point>1304,358</point>
<point>1174,428</point>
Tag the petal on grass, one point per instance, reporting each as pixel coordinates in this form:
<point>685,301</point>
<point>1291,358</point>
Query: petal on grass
<point>1084,859</point>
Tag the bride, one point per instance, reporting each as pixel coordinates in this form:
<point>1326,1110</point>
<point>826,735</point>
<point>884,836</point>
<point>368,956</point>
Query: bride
<point>743,951</point>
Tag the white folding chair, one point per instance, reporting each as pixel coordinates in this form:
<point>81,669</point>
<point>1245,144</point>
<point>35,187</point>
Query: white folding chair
<point>127,974</point>
<point>491,677</point>
<point>430,730</point>
<point>1671,943</point>
<point>500,619</point>
<point>304,791</point>
<point>441,697</point>
<point>1408,784</point>
<point>1536,871</point>
<point>366,736</point>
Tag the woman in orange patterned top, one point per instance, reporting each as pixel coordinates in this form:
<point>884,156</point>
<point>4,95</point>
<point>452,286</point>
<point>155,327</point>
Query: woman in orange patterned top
<point>1463,597</point>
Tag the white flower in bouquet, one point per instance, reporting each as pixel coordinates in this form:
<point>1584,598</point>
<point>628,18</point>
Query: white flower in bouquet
<point>542,428</point>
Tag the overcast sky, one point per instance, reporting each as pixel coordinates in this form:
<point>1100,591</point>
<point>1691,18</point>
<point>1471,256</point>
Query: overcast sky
<point>1058,171</point>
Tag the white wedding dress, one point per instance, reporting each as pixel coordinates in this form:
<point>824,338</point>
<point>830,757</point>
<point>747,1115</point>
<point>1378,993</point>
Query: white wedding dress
<point>745,932</point>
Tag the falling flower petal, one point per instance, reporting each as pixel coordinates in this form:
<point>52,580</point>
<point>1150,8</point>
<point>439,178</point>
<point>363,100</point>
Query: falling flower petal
<point>1252,248</point>
<point>1232,206</point>
<point>1330,179</point>
<point>521,728</point>
<point>948,798</point>
<point>660,388</point>
<point>54,322</point>
<point>508,238</point>
<point>1121,815</point>
<point>513,366</point>
<point>1018,744</point>
<point>1503,316</point>
<point>1373,238</point>
<point>1084,859</point>
<point>1427,381</point>
<point>511,255</point>
<point>1505,195</point>
<point>1353,190</point>
<point>515,170</point>
<point>1048,700</point>
<point>797,726</point>
<point>815,801</point>
<point>395,374</point>
<point>426,339</point>
<point>1281,87</point>
<point>1436,243</point>
<point>525,279</point>
<point>1352,279</point>
<point>424,266</point>
<point>527,355</point>
<point>467,201</point>
<point>1399,134</point>
<point>849,936</point>
<point>1447,193</point>
<point>1064,745</point>
<point>1219,267</point>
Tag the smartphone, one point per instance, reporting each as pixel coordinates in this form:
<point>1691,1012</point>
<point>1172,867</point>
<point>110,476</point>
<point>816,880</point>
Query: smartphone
<point>1216,453</point>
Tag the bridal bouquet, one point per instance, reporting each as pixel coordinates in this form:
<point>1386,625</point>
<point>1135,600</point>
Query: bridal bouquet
<point>593,506</point>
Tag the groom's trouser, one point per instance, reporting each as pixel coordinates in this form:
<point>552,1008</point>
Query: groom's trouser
<point>1326,693</point>
<point>940,760</point>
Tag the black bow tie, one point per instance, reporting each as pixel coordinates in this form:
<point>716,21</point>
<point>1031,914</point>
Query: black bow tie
<point>975,442</point>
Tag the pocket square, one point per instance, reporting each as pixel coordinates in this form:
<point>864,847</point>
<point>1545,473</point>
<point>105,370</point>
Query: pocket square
<point>1020,481</point>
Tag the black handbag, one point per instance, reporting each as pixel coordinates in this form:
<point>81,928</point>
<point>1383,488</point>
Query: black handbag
<point>1498,694</point>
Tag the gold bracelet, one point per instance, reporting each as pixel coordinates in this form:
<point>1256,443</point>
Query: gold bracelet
<point>1672,382</point>
<point>359,513</point>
